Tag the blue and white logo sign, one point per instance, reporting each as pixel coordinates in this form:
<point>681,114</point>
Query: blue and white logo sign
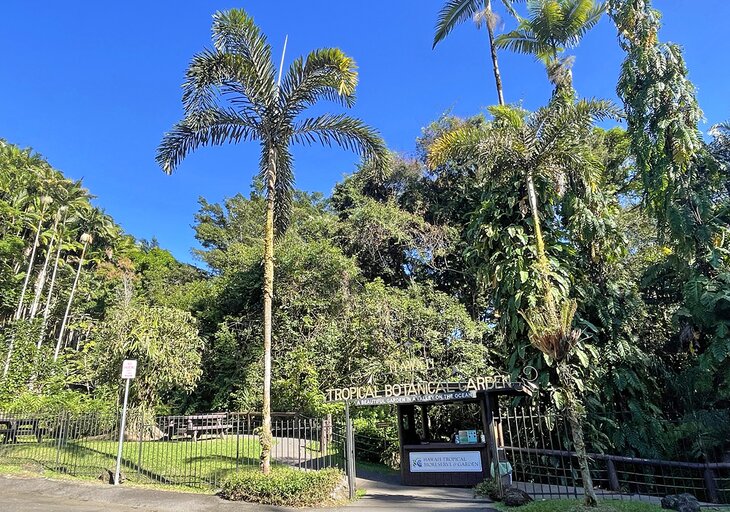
<point>446,462</point>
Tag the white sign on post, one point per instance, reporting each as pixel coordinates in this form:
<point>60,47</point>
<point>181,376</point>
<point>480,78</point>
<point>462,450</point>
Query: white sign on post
<point>129,369</point>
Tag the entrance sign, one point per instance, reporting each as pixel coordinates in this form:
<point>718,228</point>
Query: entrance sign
<point>129,372</point>
<point>129,369</point>
<point>409,389</point>
<point>445,462</point>
<point>413,399</point>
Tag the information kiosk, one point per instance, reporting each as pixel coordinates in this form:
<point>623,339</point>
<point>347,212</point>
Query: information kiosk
<point>465,461</point>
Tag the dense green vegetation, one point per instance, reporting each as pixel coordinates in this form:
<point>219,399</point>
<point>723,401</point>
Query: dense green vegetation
<point>554,238</point>
<point>285,487</point>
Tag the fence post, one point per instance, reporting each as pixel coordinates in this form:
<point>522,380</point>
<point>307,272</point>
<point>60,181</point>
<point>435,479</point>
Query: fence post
<point>141,436</point>
<point>59,436</point>
<point>613,483</point>
<point>711,486</point>
<point>238,437</point>
<point>323,436</point>
<point>350,449</point>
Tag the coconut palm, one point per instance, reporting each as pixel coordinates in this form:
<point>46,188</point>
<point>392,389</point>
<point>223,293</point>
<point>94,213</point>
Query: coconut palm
<point>231,94</point>
<point>551,27</point>
<point>455,12</point>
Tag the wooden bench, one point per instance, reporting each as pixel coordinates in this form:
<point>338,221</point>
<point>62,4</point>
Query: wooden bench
<point>11,427</point>
<point>195,425</point>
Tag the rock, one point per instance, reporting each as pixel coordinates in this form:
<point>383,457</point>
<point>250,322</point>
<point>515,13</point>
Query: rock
<point>514,497</point>
<point>681,503</point>
<point>107,476</point>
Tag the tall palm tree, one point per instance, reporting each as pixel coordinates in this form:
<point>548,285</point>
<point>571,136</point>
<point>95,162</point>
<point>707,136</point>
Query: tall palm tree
<point>86,239</point>
<point>44,202</point>
<point>96,228</point>
<point>455,12</point>
<point>231,94</point>
<point>547,145</point>
<point>551,27</point>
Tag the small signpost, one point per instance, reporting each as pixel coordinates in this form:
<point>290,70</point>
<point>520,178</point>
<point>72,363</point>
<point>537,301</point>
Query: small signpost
<point>129,371</point>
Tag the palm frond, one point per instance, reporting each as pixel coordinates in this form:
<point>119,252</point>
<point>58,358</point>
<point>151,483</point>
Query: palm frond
<point>211,73</point>
<point>522,41</point>
<point>211,126</point>
<point>508,114</point>
<point>325,74</point>
<point>582,16</point>
<point>234,32</point>
<point>452,14</point>
<point>461,143</point>
<point>283,189</point>
<point>345,131</point>
<point>547,21</point>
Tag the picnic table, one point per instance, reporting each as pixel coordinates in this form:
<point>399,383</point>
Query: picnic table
<point>193,426</point>
<point>10,427</point>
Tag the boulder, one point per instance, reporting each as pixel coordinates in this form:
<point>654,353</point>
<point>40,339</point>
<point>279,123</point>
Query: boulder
<point>681,503</point>
<point>514,497</point>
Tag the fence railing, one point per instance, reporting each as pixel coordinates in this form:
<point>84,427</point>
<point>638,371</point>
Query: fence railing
<point>197,450</point>
<point>538,447</point>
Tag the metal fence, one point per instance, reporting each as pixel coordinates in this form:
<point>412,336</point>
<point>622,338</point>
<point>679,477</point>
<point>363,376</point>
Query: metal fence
<point>538,447</point>
<point>197,450</point>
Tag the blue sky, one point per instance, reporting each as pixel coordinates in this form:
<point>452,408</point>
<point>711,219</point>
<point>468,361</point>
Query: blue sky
<point>94,85</point>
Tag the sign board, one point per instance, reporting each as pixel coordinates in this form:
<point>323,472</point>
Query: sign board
<point>129,369</point>
<point>467,436</point>
<point>445,462</point>
<point>414,399</point>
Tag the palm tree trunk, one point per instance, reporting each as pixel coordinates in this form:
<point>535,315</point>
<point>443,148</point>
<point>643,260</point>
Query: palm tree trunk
<point>576,429</point>
<point>265,436</point>
<point>41,279</point>
<point>70,301</point>
<point>493,50</point>
<point>539,242</point>
<point>49,299</point>
<point>19,311</point>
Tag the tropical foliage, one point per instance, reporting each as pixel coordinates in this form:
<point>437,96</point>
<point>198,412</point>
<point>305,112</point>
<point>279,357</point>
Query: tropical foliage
<point>553,238</point>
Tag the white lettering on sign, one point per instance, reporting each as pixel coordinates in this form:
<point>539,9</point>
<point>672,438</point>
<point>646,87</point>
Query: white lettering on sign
<point>445,462</point>
<point>129,369</point>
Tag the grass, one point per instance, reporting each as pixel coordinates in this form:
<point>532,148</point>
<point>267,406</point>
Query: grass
<point>202,463</point>
<point>577,506</point>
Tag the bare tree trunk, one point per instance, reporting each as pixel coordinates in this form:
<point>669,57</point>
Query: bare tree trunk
<point>40,282</point>
<point>49,299</point>
<point>576,429</point>
<point>70,301</point>
<point>493,51</point>
<point>265,436</point>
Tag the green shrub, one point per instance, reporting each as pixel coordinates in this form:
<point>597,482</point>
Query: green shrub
<point>375,444</point>
<point>488,489</point>
<point>284,486</point>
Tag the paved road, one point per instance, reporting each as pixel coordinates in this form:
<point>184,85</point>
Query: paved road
<point>39,494</point>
